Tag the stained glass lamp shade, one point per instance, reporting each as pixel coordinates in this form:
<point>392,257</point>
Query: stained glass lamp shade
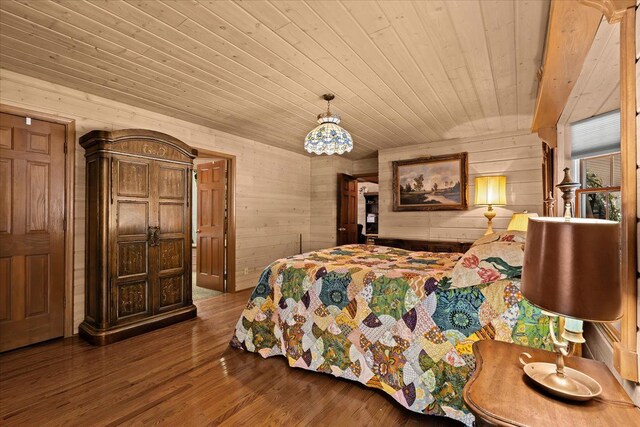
<point>328,137</point>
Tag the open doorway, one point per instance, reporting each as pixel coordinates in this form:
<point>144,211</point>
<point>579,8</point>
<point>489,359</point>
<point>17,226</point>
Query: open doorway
<point>368,212</point>
<point>368,217</point>
<point>357,209</point>
<point>213,235</point>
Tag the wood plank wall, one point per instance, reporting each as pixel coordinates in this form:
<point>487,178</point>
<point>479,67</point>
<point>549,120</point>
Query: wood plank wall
<point>516,155</point>
<point>363,166</point>
<point>272,185</point>
<point>324,198</point>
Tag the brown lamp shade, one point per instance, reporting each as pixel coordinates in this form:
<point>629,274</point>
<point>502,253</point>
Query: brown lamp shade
<point>571,268</point>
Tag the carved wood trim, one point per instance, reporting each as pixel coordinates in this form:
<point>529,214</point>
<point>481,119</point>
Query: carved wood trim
<point>625,358</point>
<point>613,10</point>
<point>572,28</point>
<point>549,136</point>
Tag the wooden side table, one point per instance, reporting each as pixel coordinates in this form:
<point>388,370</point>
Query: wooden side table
<point>500,394</point>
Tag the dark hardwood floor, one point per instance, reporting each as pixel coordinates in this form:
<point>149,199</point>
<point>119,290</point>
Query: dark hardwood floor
<point>185,374</point>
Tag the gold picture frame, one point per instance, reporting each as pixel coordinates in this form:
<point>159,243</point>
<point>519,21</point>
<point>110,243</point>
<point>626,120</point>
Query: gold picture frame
<point>433,183</point>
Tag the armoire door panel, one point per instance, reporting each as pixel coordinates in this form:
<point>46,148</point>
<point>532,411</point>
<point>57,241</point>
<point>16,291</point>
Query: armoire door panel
<point>32,200</point>
<point>171,183</point>
<point>171,254</point>
<point>6,194</point>
<point>133,218</point>
<point>171,218</point>
<point>133,179</point>
<point>171,290</point>
<point>131,299</point>
<point>132,258</point>
<point>37,181</point>
<point>37,285</point>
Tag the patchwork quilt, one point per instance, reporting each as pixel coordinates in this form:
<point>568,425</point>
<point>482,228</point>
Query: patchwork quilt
<point>391,319</point>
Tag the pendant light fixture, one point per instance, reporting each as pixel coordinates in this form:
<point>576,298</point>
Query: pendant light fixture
<point>328,137</point>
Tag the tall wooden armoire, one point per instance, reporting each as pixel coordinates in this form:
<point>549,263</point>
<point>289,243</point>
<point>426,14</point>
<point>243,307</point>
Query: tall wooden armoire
<point>138,233</point>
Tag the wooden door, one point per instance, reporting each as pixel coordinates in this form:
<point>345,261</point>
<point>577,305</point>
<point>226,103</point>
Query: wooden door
<point>32,209</point>
<point>210,256</point>
<point>347,209</point>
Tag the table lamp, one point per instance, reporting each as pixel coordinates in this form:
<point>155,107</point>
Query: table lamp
<point>571,268</point>
<point>491,191</point>
<point>520,220</point>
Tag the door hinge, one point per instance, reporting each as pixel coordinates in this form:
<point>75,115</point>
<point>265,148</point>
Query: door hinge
<point>65,147</point>
<point>64,302</point>
<point>64,222</point>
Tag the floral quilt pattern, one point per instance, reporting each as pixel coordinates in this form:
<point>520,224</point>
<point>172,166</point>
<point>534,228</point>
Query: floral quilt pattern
<point>388,318</point>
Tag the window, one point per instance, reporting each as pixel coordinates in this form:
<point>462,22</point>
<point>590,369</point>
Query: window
<point>599,196</point>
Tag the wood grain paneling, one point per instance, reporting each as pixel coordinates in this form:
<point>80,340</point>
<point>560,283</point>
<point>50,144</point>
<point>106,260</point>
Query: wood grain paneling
<point>132,258</point>
<point>37,181</point>
<point>171,217</point>
<point>37,285</point>
<point>272,185</point>
<point>6,194</point>
<point>133,179</point>
<point>5,138</point>
<point>324,199</point>
<point>5,288</point>
<point>518,156</point>
<point>403,72</point>
<point>131,299</point>
<point>171,183</point>
<point>128,218</point>
<point>171,254</point>
<point>38,143</point>
<point>170,291</point>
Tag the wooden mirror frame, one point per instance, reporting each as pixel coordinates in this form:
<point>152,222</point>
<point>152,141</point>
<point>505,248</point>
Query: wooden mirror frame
<point>573,24</point>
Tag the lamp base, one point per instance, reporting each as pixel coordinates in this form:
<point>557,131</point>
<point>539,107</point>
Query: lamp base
<point>573,385</point>
<point>489,214</point>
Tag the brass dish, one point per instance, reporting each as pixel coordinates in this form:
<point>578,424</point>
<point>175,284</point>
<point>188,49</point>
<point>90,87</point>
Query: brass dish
<point>574,385</point>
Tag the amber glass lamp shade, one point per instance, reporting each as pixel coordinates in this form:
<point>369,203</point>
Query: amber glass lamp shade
<point>520,220</point>
<point>491,190</point>
<point>572,268</point>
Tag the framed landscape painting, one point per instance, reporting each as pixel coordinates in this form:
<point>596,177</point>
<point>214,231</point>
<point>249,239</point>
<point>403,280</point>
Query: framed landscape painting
<point>431,183</point>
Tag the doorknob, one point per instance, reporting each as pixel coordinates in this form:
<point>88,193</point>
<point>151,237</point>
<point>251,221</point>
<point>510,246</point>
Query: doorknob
<point>198,230</point>
<point>342,229</point>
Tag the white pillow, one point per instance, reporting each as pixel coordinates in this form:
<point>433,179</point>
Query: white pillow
<point>488,262</point>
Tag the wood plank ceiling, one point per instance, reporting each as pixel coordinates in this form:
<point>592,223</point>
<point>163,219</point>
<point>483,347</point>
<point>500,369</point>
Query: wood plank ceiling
<point>403,72</point>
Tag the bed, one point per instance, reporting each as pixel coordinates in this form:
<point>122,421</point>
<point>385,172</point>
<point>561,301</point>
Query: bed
<point>399,321</point>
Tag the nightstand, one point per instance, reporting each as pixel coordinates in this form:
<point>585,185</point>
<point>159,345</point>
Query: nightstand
<point>499,393</point>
